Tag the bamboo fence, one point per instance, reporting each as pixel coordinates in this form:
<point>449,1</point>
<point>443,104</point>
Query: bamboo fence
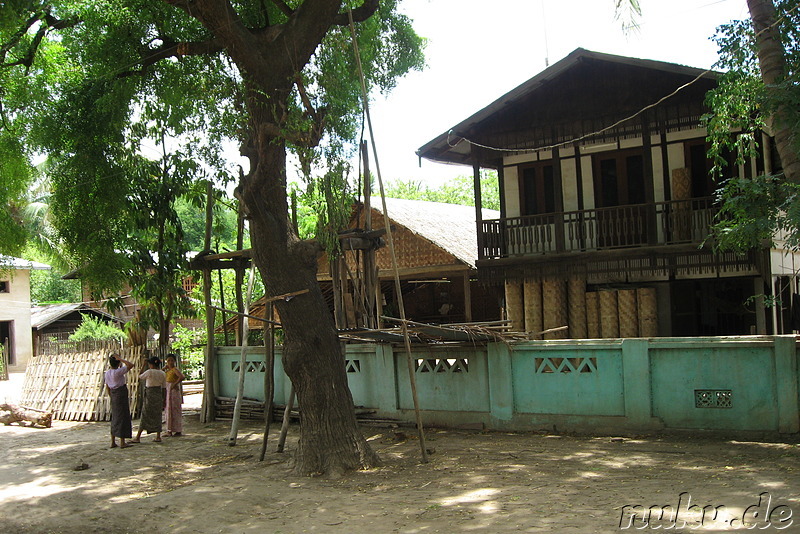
<point>71,384</point>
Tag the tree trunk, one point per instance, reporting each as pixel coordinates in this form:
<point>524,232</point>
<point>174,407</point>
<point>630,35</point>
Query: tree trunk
<point>330,441</point>
<point>772,63</point>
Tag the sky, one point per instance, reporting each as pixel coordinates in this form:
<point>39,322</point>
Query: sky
<point>477,51</point>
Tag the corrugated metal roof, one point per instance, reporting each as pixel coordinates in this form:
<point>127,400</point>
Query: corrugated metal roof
<point>10,262</point>
<point>42,316</point>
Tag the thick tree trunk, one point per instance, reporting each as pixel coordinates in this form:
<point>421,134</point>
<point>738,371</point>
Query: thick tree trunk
<point>772,63</point>
<point>330,440</point>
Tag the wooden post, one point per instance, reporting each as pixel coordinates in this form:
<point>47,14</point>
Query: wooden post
<point>476,184</point>
<point>207,409</point>
<point>467,298</point>
<point>285,423</point>
<point>237,408</point>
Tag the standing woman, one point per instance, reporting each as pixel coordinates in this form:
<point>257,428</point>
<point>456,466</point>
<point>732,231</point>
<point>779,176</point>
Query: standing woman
<point>120,405</point>
<point>155,382</point>
<point>174,398</point>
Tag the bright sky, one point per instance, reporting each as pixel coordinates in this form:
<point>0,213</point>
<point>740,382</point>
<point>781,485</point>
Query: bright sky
<point>478,51</point>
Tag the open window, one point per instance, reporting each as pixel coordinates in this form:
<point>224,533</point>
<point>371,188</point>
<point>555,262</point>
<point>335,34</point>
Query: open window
<point>4,286</point>
<point>537,189</point>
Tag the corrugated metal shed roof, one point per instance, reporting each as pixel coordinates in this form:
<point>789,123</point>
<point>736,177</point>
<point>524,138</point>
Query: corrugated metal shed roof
<point>10,262</point>
<point>42,316</point>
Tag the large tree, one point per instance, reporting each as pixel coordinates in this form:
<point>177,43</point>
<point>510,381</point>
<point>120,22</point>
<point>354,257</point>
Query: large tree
<point>759,93</point>
<point>83,80</point>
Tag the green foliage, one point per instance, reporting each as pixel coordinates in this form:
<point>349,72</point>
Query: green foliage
<point>459,190</point>
<point>753,211</point>
<point>92,327</point>
<point>47,287</point>
<point>190,344</point>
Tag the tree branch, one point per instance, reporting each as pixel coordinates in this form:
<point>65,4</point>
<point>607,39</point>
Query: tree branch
<point>170,48</point>
<point>360,14</point>
<point>285,9</point>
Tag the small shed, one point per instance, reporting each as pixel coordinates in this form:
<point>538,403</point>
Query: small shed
<point>61,320</point>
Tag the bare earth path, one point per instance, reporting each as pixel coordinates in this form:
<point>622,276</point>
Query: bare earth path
<point>475,481</point>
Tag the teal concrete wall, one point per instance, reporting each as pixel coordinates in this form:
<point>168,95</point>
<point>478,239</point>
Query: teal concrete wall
<point>563,380</point>
<point>738,384</point>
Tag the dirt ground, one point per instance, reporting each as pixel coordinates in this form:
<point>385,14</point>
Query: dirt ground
<point>475,481</point>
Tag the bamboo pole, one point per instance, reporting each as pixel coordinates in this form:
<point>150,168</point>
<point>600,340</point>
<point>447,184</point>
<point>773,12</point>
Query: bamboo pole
<point>237,409</point>
<point>287,411</point>
<point>390,240</point>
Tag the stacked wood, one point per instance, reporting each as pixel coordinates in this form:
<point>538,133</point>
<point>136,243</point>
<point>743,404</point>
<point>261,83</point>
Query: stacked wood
<point>534,317</point>
<point>628,313</point>
<point>71,384</point>
<point>11,413</point>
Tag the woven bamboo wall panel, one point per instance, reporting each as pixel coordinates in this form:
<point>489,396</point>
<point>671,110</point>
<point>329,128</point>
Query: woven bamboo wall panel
<point>577,307</point>
<point>534,318</point>
<point>628,313</point>
<point>514,305</point>
<point>609,315</point>
<point>554,298</point>
<point>592,315</point>
<point>648,315</point>
<point>84,397</point>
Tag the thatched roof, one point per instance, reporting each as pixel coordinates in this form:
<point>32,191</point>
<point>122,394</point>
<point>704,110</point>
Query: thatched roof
<point>448,226</point>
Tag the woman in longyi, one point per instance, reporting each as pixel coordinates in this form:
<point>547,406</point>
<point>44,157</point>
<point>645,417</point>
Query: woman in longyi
<point>174,398</point>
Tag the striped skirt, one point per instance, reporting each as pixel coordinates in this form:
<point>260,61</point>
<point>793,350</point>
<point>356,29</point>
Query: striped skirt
<point>151,411</point>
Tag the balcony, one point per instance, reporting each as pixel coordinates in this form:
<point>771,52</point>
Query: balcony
<point>676,222</point>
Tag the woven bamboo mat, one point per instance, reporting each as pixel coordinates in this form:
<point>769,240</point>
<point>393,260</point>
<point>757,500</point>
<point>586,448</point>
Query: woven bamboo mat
<point>71,384</point>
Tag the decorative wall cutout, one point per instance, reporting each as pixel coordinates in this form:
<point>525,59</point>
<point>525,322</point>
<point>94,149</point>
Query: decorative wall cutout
<point>713,398</point>
<point>250,366</point>
<point>565,365</point>
<point>437,365</point>
<point>352,366</point>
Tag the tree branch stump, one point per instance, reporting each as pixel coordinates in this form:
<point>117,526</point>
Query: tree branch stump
<point>11,413</point>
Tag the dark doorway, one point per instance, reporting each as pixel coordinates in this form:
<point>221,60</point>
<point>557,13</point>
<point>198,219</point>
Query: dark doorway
<point>719,307</point>
<point>7,342</point>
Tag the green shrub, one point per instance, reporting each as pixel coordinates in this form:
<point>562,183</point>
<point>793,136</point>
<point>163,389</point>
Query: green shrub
<point>92,327</point>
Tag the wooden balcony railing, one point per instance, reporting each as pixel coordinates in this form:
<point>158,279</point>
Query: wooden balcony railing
<point>638,225</point>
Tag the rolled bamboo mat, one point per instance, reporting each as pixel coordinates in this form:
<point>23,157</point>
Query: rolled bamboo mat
<point>628,313</point>
<point>609,318</point>
<point>514,305</point>
<point>593,315</point>
<point>577,307</point>
<point>534,314</point>
<point>648,311</point>
<point>554,301</point>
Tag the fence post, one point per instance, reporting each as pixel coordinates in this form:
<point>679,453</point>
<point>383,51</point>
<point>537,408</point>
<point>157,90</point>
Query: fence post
<point>501,388</point>
<point>636,382</point>
<point>786,384</point>
<point>386,373</point>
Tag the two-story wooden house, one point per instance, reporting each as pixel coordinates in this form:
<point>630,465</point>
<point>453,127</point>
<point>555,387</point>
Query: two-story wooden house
<point>606,202</point>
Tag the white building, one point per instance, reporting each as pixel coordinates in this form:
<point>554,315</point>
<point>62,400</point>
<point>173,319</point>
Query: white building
<point>15,310</point>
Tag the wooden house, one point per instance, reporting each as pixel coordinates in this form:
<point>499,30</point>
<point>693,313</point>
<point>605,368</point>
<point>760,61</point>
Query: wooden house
<point>606,203</point>
<point>436,249</point>
<point>15,311</point>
